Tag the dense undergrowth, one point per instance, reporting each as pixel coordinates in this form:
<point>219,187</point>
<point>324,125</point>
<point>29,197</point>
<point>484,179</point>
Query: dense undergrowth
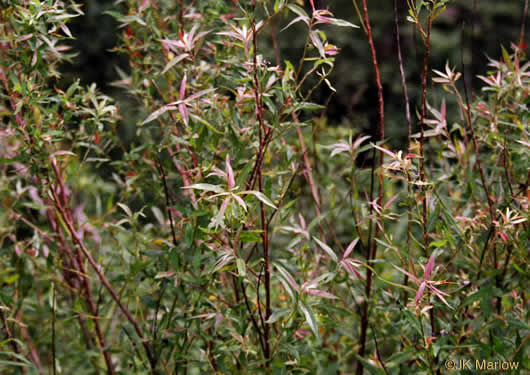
<point>243,234</point>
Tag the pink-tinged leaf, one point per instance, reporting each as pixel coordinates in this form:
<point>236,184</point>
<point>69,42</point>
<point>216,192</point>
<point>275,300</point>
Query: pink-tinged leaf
<point>176,212</point>
<point>184,113</point>
<point>350,248</point>
<point>428,268</point>
<point>317,43</point>
<point>45,251</point>
<point>18,249</point>
<point>337,148</point>
<point>301,333</point>
<point>144,4</point>
<point>230,180</point>
<point>217,172</point>
<point>182,91</point>
<point>439,294</point>
<point>302,222</point>
<point>420,292</point>
<point>360,140</point>
<point>224,206</point>
<point>320,293</point>
<point>351,267</point>
<point>385,151</point>
<point>411,276</point>
<point>199,94</point>
<point>389,203</point>
<point>158,113</point>
<point>287,276</point>
<point>436,290</point>
<point>24,37</point>
<point>324,19</point>
<point>504,237</point>
<point>240,201</point>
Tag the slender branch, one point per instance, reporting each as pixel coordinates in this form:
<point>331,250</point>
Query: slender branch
<point>422,132</point>
<point>381,130</point>
<point>64,212</point>
<point>54,363</point>
<point>425,213</point>
<point>10,338</point>
<point>409,122</point>
<point>264,132</point>
<point>168,204</point>
<point>523,23</point>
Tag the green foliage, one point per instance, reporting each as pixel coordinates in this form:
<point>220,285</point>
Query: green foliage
<point>238,233</point>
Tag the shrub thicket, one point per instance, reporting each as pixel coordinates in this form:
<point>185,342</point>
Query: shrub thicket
<point>240,232</point>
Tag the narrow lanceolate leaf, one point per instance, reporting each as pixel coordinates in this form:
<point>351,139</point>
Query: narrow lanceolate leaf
<point>159,112</point>
<point>420,293</point>
<point>223,260</point>
<point>205,187</point>
<point>125,208</point>
<point>199,94</point>
<point>390,153</point>
<point>262,197</point>
<point>297,19</point>
<point>317,43</point>
<point>337,148</point>
<point>277,314</point>
<point>440,295</point>
<point>310,318</point>
<point>184,114</point>
<point>412,277</point>
<point>230,180</point>
<point>240,201</point>
<point>429,267</point>
<point>241,268</point>
<point>288,277</point>
<point>62,152</point>
<point>327,249</point>
<point>342,23</point>
<point>350,248</point>
<point>320,293</point>
<point>174,61</point>
<point>351,267</point>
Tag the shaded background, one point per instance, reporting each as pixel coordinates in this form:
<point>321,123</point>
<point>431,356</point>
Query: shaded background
<point>470,28</point>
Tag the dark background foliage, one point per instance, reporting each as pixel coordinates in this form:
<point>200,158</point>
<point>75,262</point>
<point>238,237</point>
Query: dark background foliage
<point>472,28</point>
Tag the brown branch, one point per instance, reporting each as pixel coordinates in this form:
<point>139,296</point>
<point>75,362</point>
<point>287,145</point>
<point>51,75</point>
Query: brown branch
<point>409,122</point>
<point>10,338</point>
<point>264,132</point>
<point>523,23</point>
<point>66,215</point>
<point>166,193</point>
<point>422,152</point>
<point>79,273</point>
<point>34,353</point>
<point>372,252</point>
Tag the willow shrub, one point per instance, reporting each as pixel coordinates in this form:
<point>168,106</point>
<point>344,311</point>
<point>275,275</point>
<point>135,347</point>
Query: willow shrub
<point>239,234</point>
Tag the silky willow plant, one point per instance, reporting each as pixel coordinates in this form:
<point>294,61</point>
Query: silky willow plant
<point>238,232</point>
